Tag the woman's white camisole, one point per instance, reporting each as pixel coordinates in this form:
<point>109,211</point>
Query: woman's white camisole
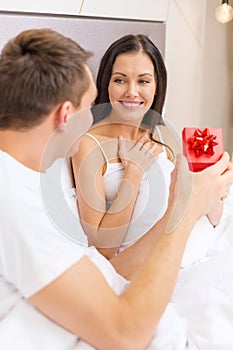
<point>153,194</point>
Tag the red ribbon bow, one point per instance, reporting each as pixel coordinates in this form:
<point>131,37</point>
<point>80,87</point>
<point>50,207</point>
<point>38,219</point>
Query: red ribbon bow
<point>202,142</point>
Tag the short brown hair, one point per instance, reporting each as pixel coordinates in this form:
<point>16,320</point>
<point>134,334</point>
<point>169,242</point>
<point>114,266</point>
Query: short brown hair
<point>39,69</point>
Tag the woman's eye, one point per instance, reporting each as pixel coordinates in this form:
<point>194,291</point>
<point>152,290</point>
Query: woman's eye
<point>143,81</point>
<point>118,81</point>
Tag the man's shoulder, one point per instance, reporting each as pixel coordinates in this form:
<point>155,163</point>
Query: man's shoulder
<point>4,167</point>
<point>15,178</point>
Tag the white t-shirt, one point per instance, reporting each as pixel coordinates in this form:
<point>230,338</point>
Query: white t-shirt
<point>35,249</point>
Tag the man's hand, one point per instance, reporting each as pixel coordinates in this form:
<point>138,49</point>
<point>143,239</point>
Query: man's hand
<point>205,191</point>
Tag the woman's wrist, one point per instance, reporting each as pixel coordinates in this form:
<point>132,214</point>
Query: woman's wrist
<point>133,170</point>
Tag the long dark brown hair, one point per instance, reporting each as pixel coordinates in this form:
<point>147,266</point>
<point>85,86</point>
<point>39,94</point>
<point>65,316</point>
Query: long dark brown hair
<point>127,44</point>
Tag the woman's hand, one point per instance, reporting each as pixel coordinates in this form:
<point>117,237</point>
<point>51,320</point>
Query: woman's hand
<point>141,153</point>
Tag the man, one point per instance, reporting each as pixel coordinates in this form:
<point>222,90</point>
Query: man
<point>58,290</point>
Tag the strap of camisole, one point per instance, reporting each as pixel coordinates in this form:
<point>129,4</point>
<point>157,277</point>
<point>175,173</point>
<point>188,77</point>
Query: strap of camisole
<point>160,137</point>
<point>100,146</point>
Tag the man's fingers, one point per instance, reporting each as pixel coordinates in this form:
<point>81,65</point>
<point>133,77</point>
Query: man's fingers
<point>222,165</point>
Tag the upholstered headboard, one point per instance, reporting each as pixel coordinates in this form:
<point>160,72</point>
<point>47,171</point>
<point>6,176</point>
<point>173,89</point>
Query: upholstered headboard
<point>94,34</point>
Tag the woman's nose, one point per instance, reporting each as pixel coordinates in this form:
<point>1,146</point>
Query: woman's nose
<point>132,90</point>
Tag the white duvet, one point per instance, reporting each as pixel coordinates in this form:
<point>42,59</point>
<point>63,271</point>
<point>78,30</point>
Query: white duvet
<point>200,314</point>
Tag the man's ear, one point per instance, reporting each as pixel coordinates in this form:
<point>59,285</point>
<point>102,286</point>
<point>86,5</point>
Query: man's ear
<point>63,111</point>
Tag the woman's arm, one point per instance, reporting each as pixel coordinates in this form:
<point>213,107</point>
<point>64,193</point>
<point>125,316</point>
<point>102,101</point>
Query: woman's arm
<point>81,301</point>
<point>106,228</point>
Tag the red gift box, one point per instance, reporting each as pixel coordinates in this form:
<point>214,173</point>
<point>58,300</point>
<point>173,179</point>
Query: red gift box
<point>202,147</point>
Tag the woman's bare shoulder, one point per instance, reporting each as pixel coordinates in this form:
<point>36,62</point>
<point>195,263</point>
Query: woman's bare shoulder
<point>171,138</point>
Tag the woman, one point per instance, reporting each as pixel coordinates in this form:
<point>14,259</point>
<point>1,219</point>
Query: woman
<point>125,187</point>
